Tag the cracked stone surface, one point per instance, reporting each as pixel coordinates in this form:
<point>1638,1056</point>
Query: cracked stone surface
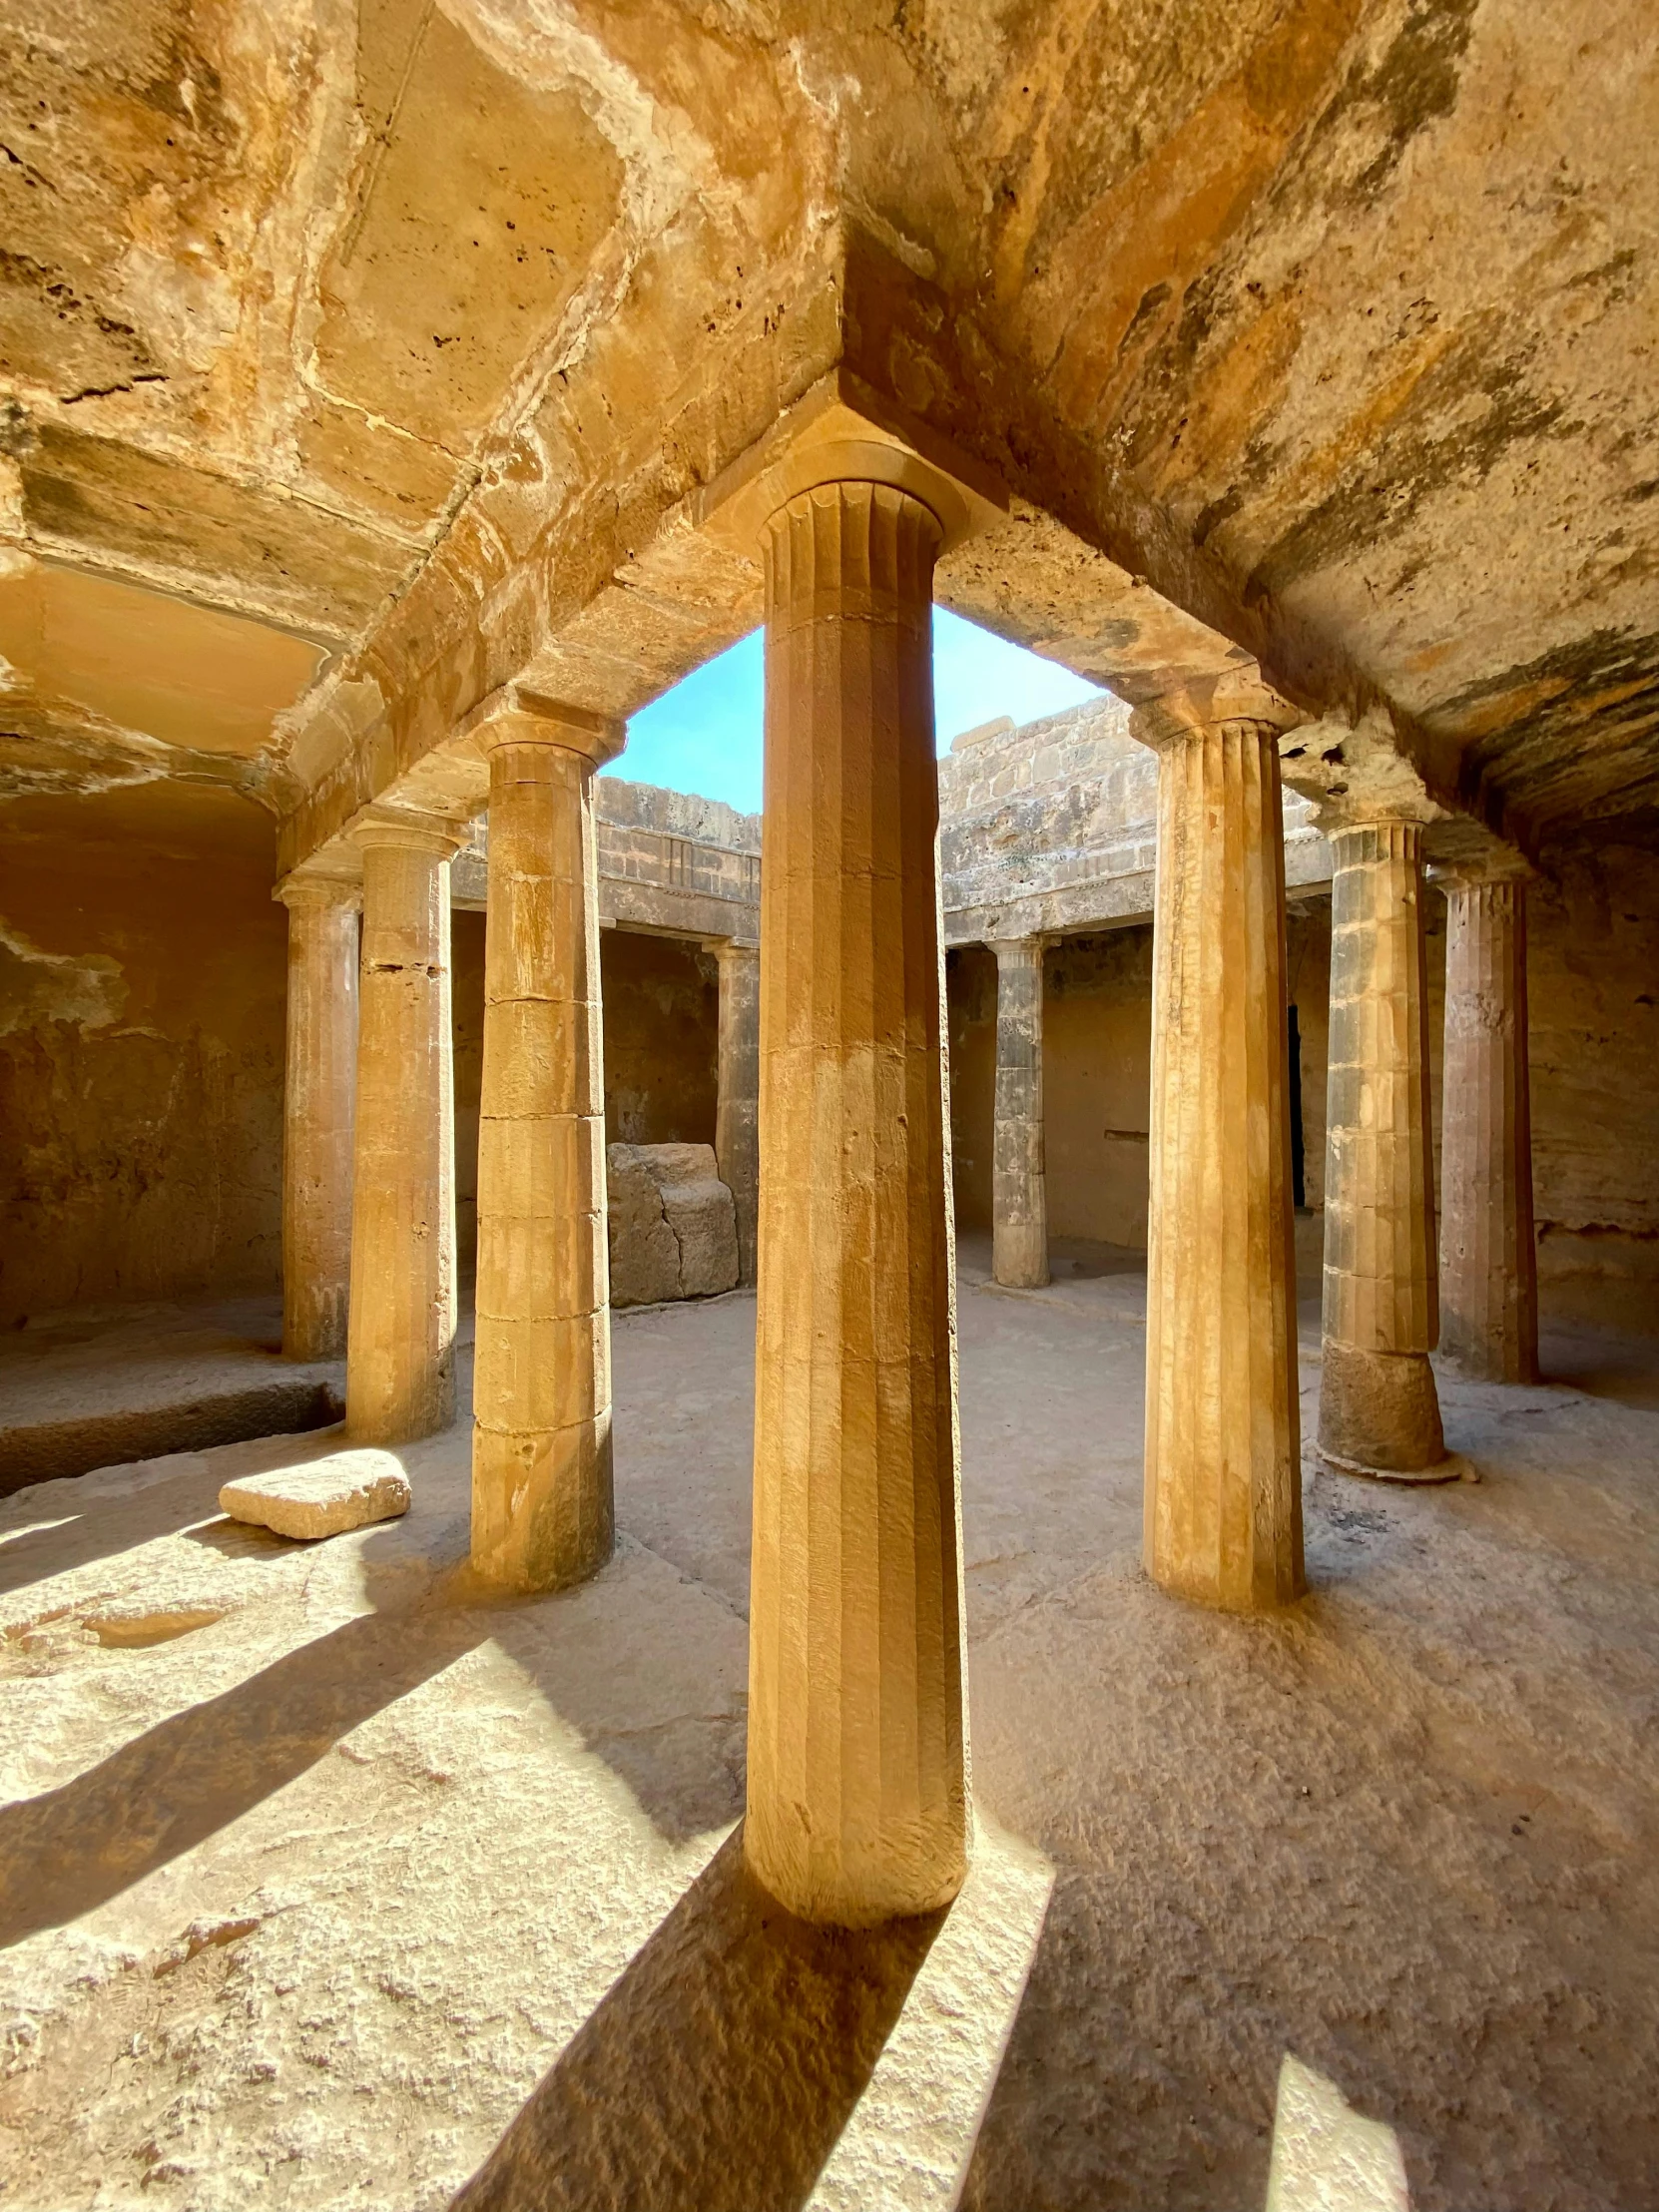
<point>672,1224</point>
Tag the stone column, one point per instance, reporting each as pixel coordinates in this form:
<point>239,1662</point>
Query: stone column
<point>737,1114</point>
<point>858,1795</point>
<point>1019,1198</point>
<point>1489,1259</point>
<point>1223,1453</point>
<point>317,1096</point>
<point>1378,1410</point>
<point>542,1512</point>
<point>400,1353</point>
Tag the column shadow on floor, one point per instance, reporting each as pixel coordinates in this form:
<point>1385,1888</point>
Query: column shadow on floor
<point>101,1526</point>
<point>718,2071</point>
<point>75,1848</point>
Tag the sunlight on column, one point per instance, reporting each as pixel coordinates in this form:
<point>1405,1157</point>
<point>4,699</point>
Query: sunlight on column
<point>912,2131</point>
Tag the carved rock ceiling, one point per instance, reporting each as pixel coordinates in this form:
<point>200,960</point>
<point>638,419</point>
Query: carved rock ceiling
<point>356,353</point>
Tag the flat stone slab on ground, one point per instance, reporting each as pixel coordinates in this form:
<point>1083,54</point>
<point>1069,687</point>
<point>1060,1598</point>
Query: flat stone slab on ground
<point>348,1490</point>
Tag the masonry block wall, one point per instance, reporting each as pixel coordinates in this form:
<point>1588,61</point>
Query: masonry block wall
<point>142,979</point>
<point>1593,991</point>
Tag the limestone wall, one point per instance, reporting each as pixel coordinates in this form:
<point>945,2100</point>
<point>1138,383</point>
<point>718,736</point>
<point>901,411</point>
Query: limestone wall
<point>1051,827</point>
<point>1055,819</point>
<point>466,1013</point>
<point>1594,985</point>
<point>970,1005</point>
<point>142,979</point>
<point>662,1039</point>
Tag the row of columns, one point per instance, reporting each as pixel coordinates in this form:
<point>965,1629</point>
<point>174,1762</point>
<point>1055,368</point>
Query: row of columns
<point>859,1806</point>
<point>1388,1301</point>
<point>368,1171</point>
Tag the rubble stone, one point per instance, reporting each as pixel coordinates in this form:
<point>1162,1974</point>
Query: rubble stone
<point>673,1223</point>
<point>348,1490</point>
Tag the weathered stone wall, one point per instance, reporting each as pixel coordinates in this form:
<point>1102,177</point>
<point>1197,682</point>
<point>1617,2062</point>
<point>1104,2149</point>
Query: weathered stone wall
<point>1098,1036</point>
<point>1308,988</point>
<point>662,1039</point>
<point>970,1004</point>
<point>143,973</point>
<point>1056,816</point>
<point>1593,986</point>
<point>1051,827</point>
<point>466,1013</point>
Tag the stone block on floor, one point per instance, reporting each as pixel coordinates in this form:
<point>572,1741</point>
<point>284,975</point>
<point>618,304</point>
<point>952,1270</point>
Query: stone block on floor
<point>347,1490</point>
<point>673,1223</point>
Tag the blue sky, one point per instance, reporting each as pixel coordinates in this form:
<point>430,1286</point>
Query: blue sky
<point>704,735</point>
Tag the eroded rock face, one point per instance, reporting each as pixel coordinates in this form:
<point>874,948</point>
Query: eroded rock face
<point>673,1223</point>
<point>348,1490</point>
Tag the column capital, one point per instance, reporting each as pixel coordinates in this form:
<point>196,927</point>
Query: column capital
<point>390,829</point>
<point>306,887</point>
<point>517,714</point>
<point>1347,821</point>
<point>844,432</point>
<point>1240,693</point>
<point>1026,945</point>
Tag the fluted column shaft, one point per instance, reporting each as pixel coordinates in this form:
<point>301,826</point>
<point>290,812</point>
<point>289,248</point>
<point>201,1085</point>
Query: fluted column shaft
<point>1489,1258</point>
<point>1019,1198</point>
<point>1378,1410</point>
<point>1223,1459</point>
<point>542,1507</point>
<point>318,1094</point>
<point>737,1110</point>
<point>857,1792</point>
<point>400,1353</point>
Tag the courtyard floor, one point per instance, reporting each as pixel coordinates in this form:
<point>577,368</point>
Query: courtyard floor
<point>322,1878</point>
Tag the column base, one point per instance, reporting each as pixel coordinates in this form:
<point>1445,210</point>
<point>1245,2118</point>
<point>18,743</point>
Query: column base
<point>542,1512</point>
<point>1020,1258</point>
<point>1380,1413</point>
<point>898,1880</point>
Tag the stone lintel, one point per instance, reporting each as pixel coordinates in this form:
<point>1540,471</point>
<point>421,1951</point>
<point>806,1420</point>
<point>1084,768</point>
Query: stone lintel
<point>1114,902</point>
<point>516,714</point>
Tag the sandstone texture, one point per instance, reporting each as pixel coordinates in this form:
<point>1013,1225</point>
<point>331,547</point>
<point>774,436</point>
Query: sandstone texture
<point>673,1223</point>
<point>543,1513</point>
<point>348,1490</point>
<point>314,1871</point>
<point>1377,1409</point>
<point>320,1092</point>
<point>1223,1448</point>
<point>856,1618</point>
<point>394,399</point>
<point>101,1387</point>
<point>400,1334</point>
